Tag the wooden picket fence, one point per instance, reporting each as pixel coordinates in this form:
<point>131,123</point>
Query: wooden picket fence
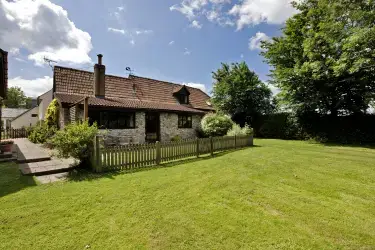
<point>134,156</point>
<point>12,133</point>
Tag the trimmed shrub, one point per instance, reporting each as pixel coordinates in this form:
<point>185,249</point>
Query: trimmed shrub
<point>238,131</point>
<point>41,133</point>
<point>52,115</point>
<point>75,140</point>
<point>216,124</point>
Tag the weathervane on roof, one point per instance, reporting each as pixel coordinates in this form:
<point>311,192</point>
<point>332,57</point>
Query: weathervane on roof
<point>128,69</point>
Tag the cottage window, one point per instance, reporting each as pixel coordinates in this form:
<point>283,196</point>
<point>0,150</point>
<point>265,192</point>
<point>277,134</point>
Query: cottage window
<point>184,121</point>
<point>112,119</point>
<point>183,99</point>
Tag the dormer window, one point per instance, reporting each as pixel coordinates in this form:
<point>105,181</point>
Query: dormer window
<point>182,94</point>
<point>183,99</point>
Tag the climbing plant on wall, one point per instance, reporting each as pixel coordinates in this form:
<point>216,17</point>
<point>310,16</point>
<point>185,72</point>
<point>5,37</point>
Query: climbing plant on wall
<point>52,116</point>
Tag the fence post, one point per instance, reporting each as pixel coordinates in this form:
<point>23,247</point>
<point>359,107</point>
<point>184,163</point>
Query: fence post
<point>251,140</point>
<point>158,153</point>
<point>235,141</point>
<point>212,146</point>
<point>96,157</point>
<point>197,148</point>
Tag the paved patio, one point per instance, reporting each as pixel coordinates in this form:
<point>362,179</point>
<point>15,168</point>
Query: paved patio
<point>30,152</point>
<point>33,159</point>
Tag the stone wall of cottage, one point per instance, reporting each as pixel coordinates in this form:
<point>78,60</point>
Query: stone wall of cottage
<point>64,117</point>
<point>136,135</point>
<point>169,127</point>
<point>75,114</point>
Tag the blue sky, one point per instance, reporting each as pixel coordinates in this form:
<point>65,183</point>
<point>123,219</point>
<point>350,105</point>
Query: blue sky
<point>180,41</point>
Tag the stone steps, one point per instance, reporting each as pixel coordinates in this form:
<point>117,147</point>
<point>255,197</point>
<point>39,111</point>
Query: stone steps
<point>8,157</point>
<point>52,166</point>
<point>33,159</point>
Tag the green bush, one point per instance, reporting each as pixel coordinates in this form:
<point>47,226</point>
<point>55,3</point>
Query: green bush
<point>216,124</point>
<point>41,133</point>
<point>238,131</point>
<point>200,133</point>
<point>176,138</point>
<point>52,115</point>
<point>75,140</point>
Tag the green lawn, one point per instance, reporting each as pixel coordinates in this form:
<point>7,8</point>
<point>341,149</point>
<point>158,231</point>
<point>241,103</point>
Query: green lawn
<point>280,194</point>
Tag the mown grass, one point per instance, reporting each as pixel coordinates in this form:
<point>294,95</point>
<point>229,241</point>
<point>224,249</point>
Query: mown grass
<point>279,195</point>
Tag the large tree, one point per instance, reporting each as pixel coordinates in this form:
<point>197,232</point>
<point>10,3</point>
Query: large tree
<point>325,59</point>
<point>16,98</point>
<point>239,92</point>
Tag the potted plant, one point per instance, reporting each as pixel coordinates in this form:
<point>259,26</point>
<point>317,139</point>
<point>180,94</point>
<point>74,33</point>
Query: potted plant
<point>6,146</point>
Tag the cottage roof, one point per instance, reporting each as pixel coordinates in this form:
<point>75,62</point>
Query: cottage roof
<point>70,85</point>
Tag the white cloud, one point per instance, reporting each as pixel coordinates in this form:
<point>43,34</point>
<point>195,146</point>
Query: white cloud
<point>196,85</point>
<point>195,24</point>
<point>241,55</point>
<point>44,30</point>
<point>211,9</point>
<point>220,1</point>
<point>14,51</point>
<point>187,52</point>
<point>130,34</point>
<point>253,12</point>
<point>143,32</point>
<point>19,59</point>
<point>255,41</point>
<point>189,7</point>
<point>118,13</point>
<point>215,16</point>
<point>171,43</point>
<point>119,31</point>
<point>212,15</point>
<point>32,88</point>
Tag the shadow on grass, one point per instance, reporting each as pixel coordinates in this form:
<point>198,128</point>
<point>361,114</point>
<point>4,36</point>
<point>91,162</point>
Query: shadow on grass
<point>87,175</point>
<point>328,144</point>
<point>11,180</point>
<point>334,144</point>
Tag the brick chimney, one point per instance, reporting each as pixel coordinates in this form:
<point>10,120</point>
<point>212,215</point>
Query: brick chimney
<point>99,78</point>
<point>3,73</point>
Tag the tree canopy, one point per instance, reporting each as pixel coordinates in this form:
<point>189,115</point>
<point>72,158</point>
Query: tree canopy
<point>238,91</point>
<point>16,98</point>
<point>324,61</point>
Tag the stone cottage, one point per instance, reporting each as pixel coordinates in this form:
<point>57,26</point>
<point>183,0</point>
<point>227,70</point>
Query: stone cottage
<point>137,108</point>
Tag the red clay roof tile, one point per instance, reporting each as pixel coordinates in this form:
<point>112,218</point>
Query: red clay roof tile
<point>131,92</point>
<point>126,103</point>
